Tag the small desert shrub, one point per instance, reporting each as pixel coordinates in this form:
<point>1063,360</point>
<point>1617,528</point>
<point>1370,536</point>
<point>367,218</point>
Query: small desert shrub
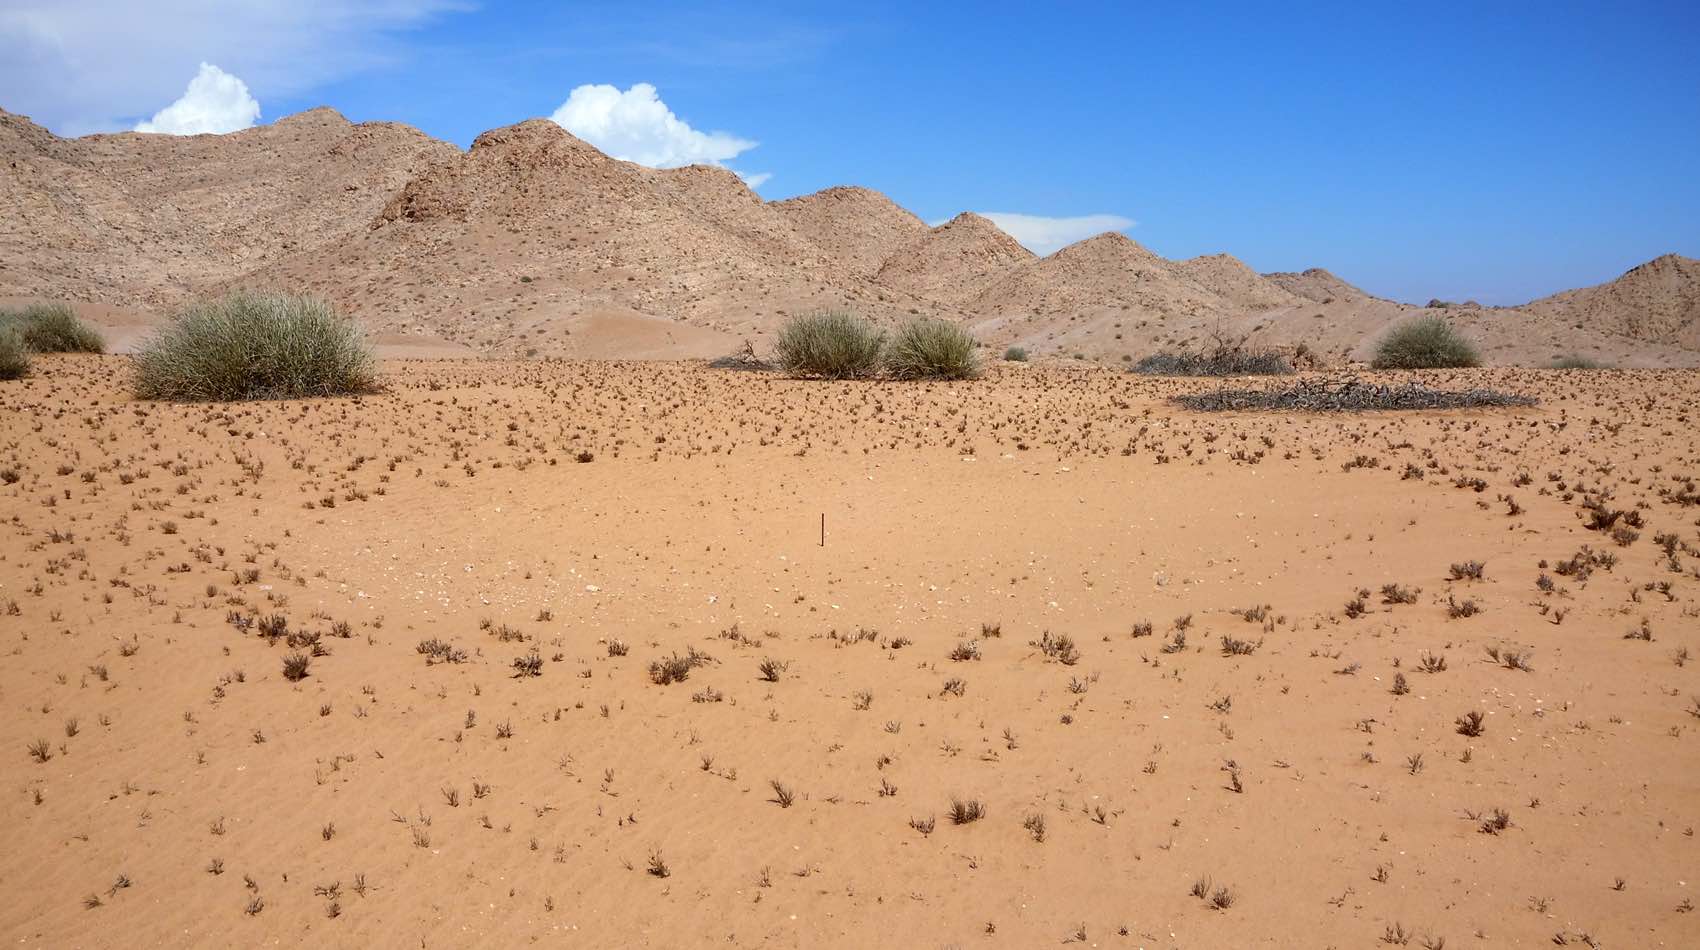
<point>295,666</point>
<point>529,665</point>
<point>1225,358</point>
<point>54,328</point>
<point>966,812</point>
<point>1467,571</point>
<point>1059,647</point>
<point>672,669</point>
<point>930,348</point>
<point>255,346</point>
<point>1233,646</point>
<point>1016,354</point>
<point>1575,361</point>
<point>831,345</point>
<point>1472,723</point>
<point>1350,395</point>
<point>1425,343</point>
<point>14,356</point>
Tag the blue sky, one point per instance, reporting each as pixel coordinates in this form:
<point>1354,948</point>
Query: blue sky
<point>1490,151</point>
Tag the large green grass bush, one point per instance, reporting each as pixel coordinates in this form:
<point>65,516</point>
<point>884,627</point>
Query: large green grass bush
<point>14,356</point>
<point>832,344</point>
<point>250,345</point>
<point>930,348</point>
<point>53,328</point>
<point>1425,343</point>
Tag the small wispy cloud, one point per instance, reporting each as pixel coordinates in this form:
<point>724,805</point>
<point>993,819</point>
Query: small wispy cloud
<point>215,102</point>
<point>1044,235</point>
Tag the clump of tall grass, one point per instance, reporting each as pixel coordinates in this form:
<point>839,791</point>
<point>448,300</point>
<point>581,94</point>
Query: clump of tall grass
<point>930,348</point>
<point>252,345</point>
<point>53,328</point>
<point>832,344</point>
<point>14,356</point>
<point>1425,343</point>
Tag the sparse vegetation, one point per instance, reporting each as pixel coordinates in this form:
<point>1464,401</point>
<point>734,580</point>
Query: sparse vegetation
<point>52,328</point>
<point>1428,342</point>
<point>250,345</point>
<point>1059,647</point>
<point>1224,357</point>
<point>1472,723</point>
<point>295,666</point>
<point>833,344</point>
<point>14,356</point>
<point>676,668</point>
<point>1348,396</point>
<point>966,811</point>
<point>930,348</point>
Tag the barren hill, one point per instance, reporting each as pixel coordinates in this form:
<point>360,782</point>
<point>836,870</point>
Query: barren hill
<point>1236,285</point>
<point>859,228</point>
<point>134,218</point>
<point>534,241</point>
<point>516,244</point>
<point>1111,300</point>
<point>1658,301</point>
<point>954,261</point>
<point>1316,284</point>
<point>1088,296</point>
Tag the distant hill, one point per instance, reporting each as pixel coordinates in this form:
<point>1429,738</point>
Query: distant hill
<point>1658,301</point>
<point>533,241</point>
<point>134,218</point>
<point>858,228</point>
<point>954,261</point>
<point>1316,284</point>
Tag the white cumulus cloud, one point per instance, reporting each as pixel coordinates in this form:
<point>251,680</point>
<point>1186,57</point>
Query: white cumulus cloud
<point>215,102</point>
<point>1043,235</point>
<point>636,126</point>
<point>80,66</point>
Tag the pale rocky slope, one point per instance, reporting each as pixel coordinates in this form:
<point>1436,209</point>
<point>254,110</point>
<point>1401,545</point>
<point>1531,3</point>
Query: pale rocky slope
<point>534,242</point>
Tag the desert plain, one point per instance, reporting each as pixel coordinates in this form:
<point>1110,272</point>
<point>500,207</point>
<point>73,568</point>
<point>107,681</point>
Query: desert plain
<point>569,633</point>
<point>1068,663</point>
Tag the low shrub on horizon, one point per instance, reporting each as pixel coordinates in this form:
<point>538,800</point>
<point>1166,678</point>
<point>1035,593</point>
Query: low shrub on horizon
<point>832,344</point>
<point>1351,395</point>
<point>1224,357</point>
<point>14,356</point>
<point>1576,361</point>
<point>930,348</point>
<point>251,345</point>
<point>53,328</point>
<point>1425,343</point>
<point>1235,362</point>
